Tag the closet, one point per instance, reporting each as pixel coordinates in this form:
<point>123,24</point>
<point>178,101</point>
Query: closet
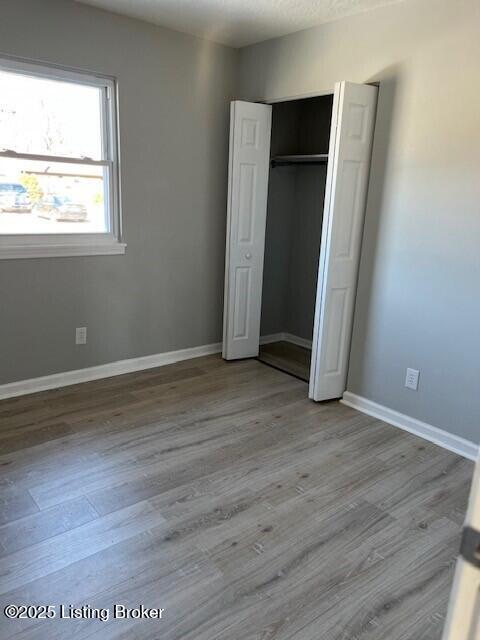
<point>296,187</point>
<point>298,177</point>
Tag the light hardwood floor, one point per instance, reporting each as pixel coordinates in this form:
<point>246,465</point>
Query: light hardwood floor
<point>219,492</point>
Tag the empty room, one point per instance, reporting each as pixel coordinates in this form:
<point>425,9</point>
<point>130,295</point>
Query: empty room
<point>239,320</point>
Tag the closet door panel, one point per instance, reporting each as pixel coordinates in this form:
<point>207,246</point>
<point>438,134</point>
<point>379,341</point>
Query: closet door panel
<point>463,619</point>
<point>250,126</point>
<point>346,190</point>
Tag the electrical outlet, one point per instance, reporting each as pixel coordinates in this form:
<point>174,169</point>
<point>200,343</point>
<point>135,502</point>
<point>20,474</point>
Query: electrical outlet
<point>411,379</point>
<point>81,335</point>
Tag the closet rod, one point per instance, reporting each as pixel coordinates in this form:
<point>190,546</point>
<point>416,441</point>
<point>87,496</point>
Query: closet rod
<point>314,158</point>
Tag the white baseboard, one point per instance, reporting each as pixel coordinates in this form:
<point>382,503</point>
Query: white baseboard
<point>56,380</point>
<point>300,342</point>
<point>272,337</point>
<point>286,337</point>
<point>444,439</point>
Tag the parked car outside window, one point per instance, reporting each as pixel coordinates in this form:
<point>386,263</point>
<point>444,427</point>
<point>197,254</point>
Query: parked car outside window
<point>9,191</point>
<point>61,209</point>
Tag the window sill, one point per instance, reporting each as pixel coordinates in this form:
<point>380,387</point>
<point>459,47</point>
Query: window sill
<point>61,250</point>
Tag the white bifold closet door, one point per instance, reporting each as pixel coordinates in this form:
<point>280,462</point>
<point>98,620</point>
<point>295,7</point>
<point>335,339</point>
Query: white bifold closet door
<point>250,127</point>
<point>463,620</point>
<point>351,136</point>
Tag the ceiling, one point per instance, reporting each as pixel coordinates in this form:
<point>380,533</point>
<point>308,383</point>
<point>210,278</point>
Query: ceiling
<point>238,22</point>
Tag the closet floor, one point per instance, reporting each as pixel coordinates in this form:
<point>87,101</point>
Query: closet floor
<point>287,357</point>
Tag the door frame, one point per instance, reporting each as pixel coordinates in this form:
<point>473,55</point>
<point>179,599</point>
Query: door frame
<point>227,247</point>
<point>322,255</point>
<point>323,232</point>
<point>301,96</point>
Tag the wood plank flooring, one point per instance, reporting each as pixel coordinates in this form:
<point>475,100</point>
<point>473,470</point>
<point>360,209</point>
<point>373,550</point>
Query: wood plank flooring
<point>218,492</point>
<point>287,357</point>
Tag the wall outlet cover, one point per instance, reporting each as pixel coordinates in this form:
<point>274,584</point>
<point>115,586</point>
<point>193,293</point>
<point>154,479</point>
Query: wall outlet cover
<point>411,379</point>
<point>81,335</point>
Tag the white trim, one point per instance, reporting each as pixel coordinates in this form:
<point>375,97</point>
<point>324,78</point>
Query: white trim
<point>306,96</point>
<point>57,380</point>
<point>442,438</point>
<point>9,252</point>
<point>37,157</point>
<point>226,285</point>
<point>300,96</point>
<point>54,71</point>
<point>286,337</point>
<point>300,342</point>
<point>272,337</point>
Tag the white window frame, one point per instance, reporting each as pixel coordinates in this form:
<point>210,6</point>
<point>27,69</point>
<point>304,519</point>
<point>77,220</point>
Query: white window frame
<point>69,244</point>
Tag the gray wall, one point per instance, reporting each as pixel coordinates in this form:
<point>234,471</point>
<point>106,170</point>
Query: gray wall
<point>307,216</point>
<point>418,301</point>
<point>280,203</point>
<point>292,249</point>
<point>166,293</point>
<point>276,266</point>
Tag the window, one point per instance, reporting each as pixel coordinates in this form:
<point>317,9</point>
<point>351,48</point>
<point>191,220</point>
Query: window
<point>59,191</point>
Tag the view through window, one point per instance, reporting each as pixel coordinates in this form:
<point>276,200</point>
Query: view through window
<point>57,161</point>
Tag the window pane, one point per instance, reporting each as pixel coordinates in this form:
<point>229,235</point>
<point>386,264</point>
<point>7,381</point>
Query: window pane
<point>49,117</point>
<point>52,197</point>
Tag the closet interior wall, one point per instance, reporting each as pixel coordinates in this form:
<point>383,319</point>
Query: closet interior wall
<point>294,217</point>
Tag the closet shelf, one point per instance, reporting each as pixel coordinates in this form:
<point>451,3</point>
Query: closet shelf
<point>313,158</point>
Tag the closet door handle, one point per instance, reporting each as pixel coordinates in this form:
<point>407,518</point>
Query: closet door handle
<point>248,255</point>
